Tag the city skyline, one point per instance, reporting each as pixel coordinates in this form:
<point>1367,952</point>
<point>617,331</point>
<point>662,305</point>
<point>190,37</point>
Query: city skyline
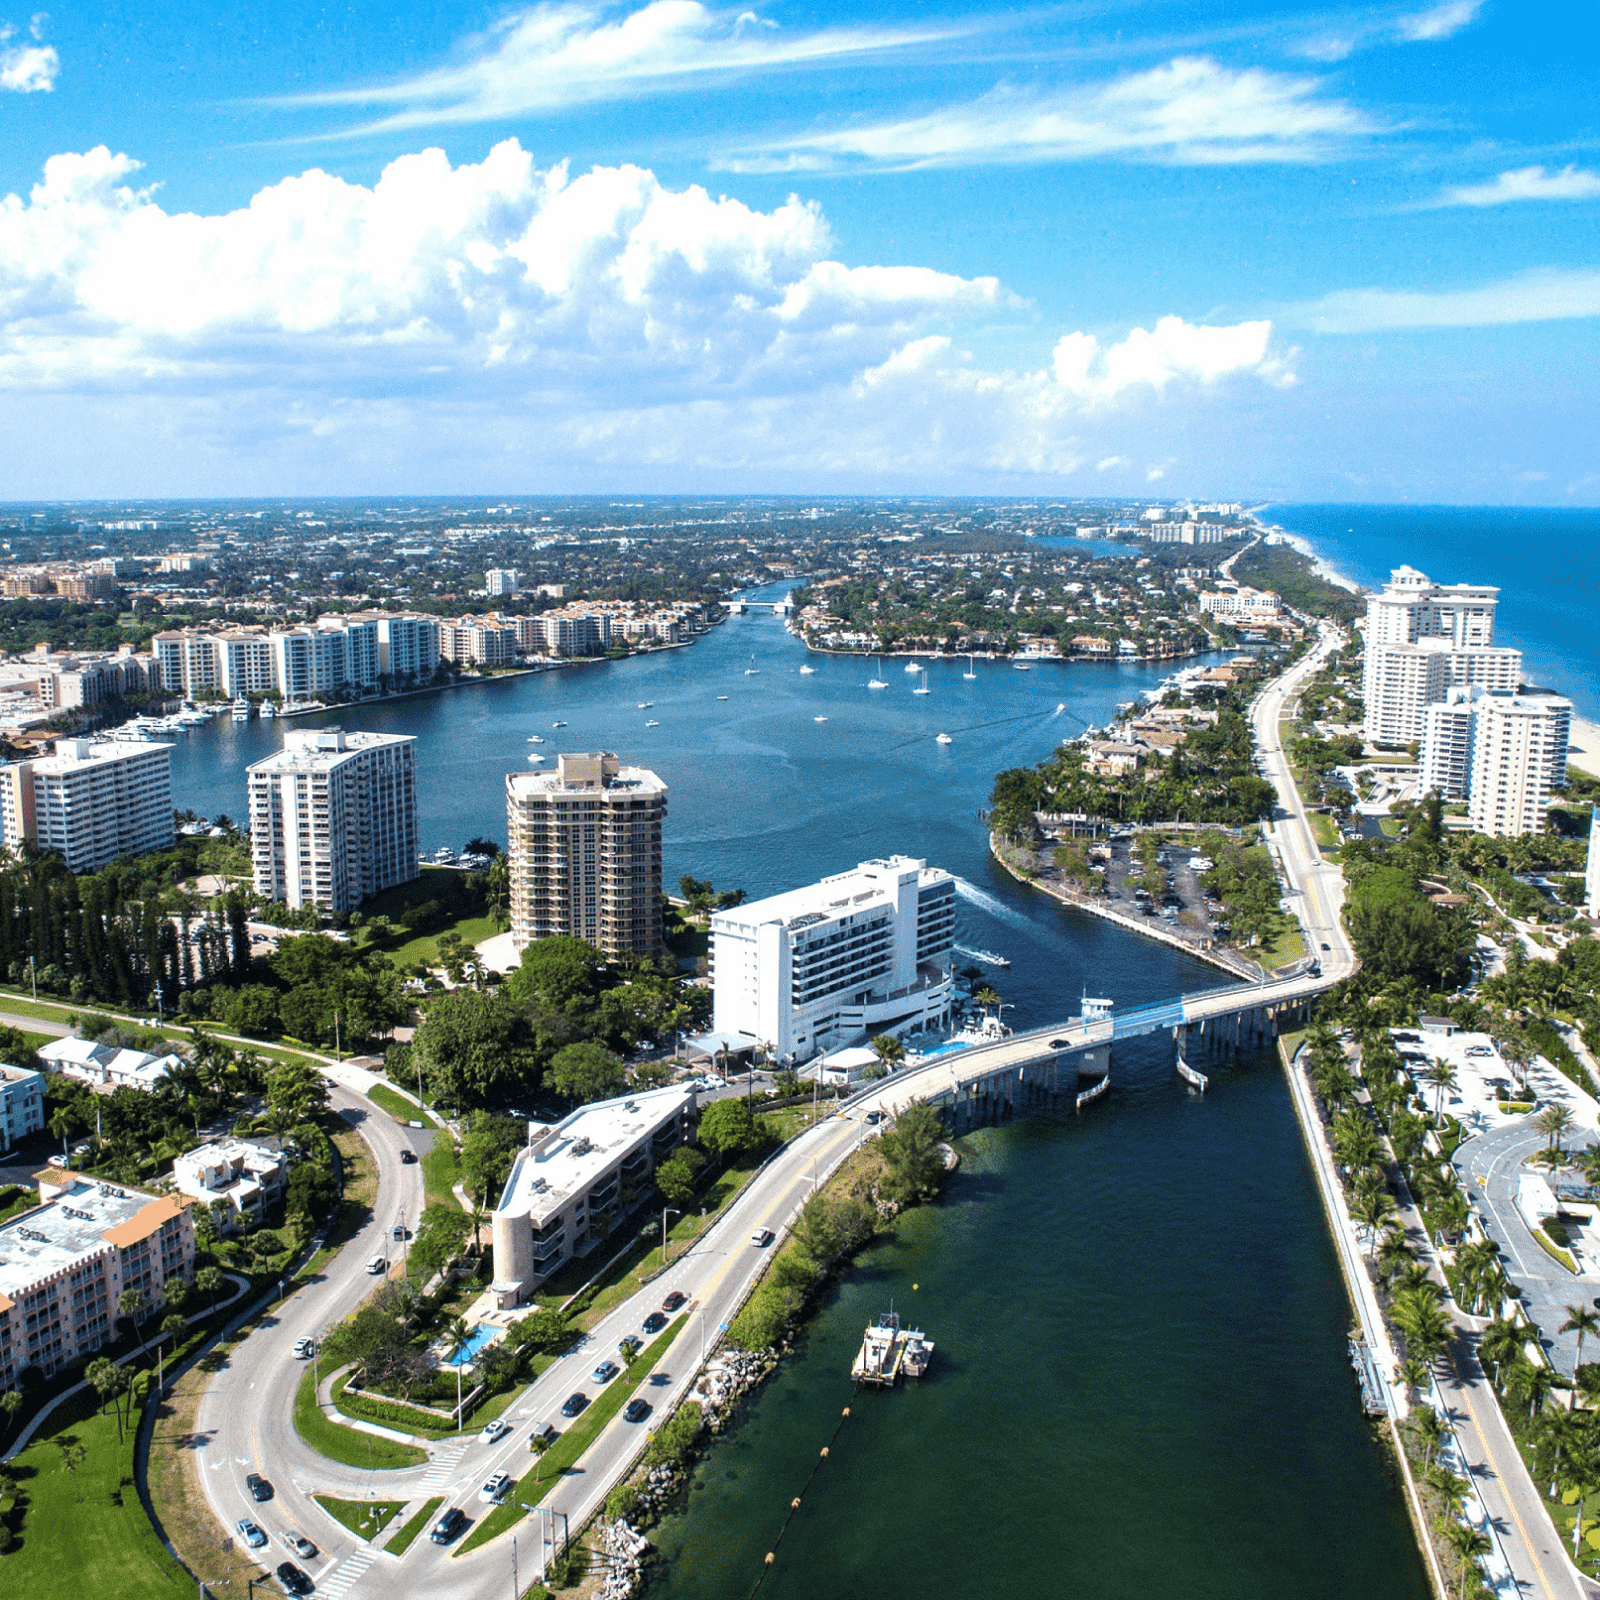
<point>1300,253</point>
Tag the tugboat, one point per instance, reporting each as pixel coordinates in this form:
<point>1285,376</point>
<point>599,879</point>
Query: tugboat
<point>888,1351</point>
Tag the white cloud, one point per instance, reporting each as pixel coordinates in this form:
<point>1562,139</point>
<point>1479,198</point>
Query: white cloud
<point>1545,295</point>
<point>1344,37</point>
<point>603,319</point>
<point>1106,463</point>
<point>556,55</point>
<point>1525,183</point>
<point>1191,111</point>
<point>31,67</point>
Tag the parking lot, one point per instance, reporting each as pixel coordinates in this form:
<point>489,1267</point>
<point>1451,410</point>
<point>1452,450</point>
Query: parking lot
<point>1183,907</point>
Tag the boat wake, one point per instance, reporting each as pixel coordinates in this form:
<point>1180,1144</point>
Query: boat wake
<point>985,901</point>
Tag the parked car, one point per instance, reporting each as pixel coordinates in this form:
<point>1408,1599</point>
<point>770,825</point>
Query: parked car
<point>496,1488</point>
<point>491,1431</point>
<point>655,1322</point>
<point>761,1238</point>
<point>301,1545</point>
<point>408,1156</point>
<point>449,1525</point>
<point>637,1410</point>
<point>250,1533</point>
<point>258,1486</point>
<point>304,1349</point>
<point>605,1372</point>
<point>293,1579</point>
<point>673,1301</point>
<point>574,1403</point>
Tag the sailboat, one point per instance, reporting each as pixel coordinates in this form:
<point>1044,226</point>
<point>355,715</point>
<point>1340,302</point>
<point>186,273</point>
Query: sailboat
<point>751,672</point>
<point>970,673</point>
<point>922,688</point>
<point>877,679</point>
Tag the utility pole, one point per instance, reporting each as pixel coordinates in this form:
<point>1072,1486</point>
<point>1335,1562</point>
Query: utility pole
<point>665,1212</point>
<point>515,1586</point>
<point>337,1056</point>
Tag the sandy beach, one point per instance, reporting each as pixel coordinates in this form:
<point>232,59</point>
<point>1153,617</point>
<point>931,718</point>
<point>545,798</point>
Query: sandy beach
<point>1583,748</point>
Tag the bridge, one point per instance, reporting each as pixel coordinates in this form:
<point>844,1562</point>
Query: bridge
<point>779,608</point>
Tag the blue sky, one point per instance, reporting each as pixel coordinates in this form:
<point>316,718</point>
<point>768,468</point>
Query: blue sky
<point>1218,250</point>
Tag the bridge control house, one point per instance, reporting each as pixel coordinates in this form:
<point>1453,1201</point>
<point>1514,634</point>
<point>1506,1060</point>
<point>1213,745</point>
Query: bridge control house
<point>576,1178</point>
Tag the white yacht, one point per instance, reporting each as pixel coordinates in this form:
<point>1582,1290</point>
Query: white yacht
<point>535,759</point>
<point>943,738</point>
<point>241,710</point>
<point>534,738</point>
<point>819,719</point>
<point>558,724</point>
<point>913,666</point>
<point>267,709</point>
<point>722,697</point>
<point>652,724</point>
<point>644,705</point>
<point>805,672</point>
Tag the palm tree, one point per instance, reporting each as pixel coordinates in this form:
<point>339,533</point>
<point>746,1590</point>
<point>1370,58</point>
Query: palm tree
<point>60,1127</point>
<point>1581,1478</point>
<point>1355,1141</point>
<point>889,1050</point>
<point>1581,1320</point>
<point>1413,1373</point>
<point>1467,1544</point>
<point>1395,1253</point>
<point>208,1280</point>
<point>1533,1379</point>
<point>460,1337</point>
<point>1500,1346</point>
<point>1563,1432</point>
<point>1441,1075</point>
<point>1554,1121</point>
<point>1450,1487</point>
<point>1371,1211</point>
<point>1430,1431</point>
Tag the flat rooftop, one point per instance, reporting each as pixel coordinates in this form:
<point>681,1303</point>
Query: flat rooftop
<point>843,892</point>
<point>619,784</point>
<point>566,1158</point>
<point>75,1223</point>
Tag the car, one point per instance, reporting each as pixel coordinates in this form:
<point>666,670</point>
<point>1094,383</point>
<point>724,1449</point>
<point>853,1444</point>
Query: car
<point>304,1349</point>
<point>250,1533</point>
<point>298,1542</point>
<point>637,1410</point>
<point>399,1230</point>
<point>1479,1050</point>
<point>542,1436</point>
<point>258,1486</point>
<point>449,1525</point>
<point>1327,946</point>
<point>655,1322</point>
<point>408,1157</point>
<point>874,1118</point>
<point>58,1161</point>
<point>491,1431</point>
<point>376,1265</point>
<point>293,1579</point>
<point>605,1372</point>
<point>761,1238</point>
<point>629,1343</point>
<point>673,1301</point>
<point>496,1488</point>
<point>574,1403</point>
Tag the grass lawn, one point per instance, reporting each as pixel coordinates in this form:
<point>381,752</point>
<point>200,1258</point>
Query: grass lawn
<point>1389,827</point>
<point>440,1171</point>
<point>537,1482</point>
<point>439,884</point>
<point>347,1445</point>
<point>398,1107</point>
<point>1286,945</point>
<point>83,1531</point>
<point>366,1519</point>
<point>360,1172</point>
<point>1322,828</point>
<point>425,947</point>
<point>401,1542</point>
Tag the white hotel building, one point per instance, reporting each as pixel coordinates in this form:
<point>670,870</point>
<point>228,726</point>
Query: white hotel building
<point>91,802</point>
<point>333,817</point>
<point>861,953</point>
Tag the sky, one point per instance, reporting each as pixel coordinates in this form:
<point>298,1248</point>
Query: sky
<point>1227,251</point>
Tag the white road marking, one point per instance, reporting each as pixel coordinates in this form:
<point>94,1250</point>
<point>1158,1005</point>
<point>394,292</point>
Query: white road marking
<point>346,1577</point>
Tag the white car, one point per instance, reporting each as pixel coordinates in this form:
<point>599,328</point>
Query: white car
<point>493,1430</point>
<point>761,1238</point>
<point>376,1265</point>
<point>496,1488</point>
<point>304,1349</point>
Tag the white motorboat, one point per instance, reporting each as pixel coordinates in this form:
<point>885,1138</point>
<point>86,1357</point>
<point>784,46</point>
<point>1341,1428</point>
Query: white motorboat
<point>241,710</point>
<point>652,724</point>
<point>913,666</point>
<point>535,759</point>
<point>1021,666</point>
<point>943,738</point>
<point>534,738</point>
<point>268,709</point>
<point>722,697</point>
<point>805,672</point>
<point>819,719</point>
<point>558,724</point>
<point>644,705</point>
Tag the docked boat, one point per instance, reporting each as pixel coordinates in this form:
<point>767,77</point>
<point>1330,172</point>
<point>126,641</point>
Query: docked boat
<point>268,709</point>
<point>241,710</point>
<point>943,738</point>
<point>889,1352</point>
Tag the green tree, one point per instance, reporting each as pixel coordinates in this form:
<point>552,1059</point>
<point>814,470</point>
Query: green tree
<point>296,1091</point>
<point>728,1128</point>
<point>475,1046</point>
<point>585,1072</point>
<point>676,1177</point>
<point>208,1280</point>
<point>1430,1430</point>
<point>558,974</point>
<point>1467,1544</point>
<point>889,1050</point>
<point>911,1149</point>
<point>1582,1321</point>
<point>15,1051</point>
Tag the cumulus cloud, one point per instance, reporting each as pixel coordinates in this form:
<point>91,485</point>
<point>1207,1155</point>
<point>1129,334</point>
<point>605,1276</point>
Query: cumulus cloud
<point>29,67</point>
<point>1429,26</point>
<point>1546,295</point>
<point>606,316</point>
<point>552,56</point>
<point>1189,112</point>
<point>1524,183</point>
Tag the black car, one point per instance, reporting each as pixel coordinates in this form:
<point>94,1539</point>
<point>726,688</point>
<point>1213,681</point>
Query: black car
<point>258,1486</point>
<point>655,1322</point>
<point>673,1301</point>
<point>575,1404</point>
<point>408,1158</point>
<point>637,1410</point>
<point>449,1525</point>
<point>293,1579</point>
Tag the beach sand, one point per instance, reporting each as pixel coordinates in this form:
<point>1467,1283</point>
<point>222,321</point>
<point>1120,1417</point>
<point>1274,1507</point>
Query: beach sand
<point>1583,748</point>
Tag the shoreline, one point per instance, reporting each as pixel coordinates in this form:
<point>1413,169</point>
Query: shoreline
<point>1112,660</point>
<point>1134,925</point>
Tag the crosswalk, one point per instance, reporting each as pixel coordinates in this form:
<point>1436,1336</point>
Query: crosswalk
<point>442,1468</point>
<point>339,1583</point>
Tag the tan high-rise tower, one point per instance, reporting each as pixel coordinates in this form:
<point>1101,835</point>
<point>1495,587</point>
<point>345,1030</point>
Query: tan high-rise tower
<point>585,851</point>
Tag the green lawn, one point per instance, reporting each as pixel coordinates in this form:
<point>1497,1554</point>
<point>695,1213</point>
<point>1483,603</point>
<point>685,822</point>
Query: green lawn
<point>83,1531</point>
<point>366,1519</point>
<point>440,1171</point>
<point>1285,945</point>
<point>1323,829</point>
<point>540,1478</point>
<point>401,1542</point>
<point>439,884</point>
<point>398,1107</point>
<point>347,1445</point>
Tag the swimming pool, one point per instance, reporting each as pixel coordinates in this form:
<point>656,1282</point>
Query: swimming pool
<point>481,1335</point>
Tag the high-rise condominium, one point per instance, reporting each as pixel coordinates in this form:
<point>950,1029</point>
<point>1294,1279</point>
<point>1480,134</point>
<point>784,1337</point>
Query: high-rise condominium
<point>91,802</point>
<point>1519,753</point>
<point>585,854</point>
<point>333,817</point>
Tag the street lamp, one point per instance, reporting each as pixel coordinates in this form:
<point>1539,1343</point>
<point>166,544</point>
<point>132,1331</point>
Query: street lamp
<point>665,1212</point>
